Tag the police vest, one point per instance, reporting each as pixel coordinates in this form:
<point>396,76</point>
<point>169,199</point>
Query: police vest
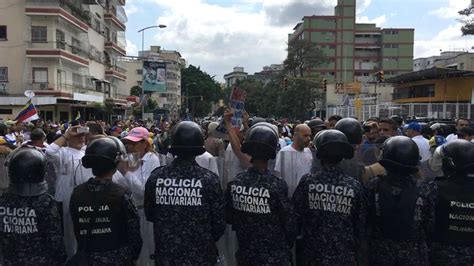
<point>455,213</point>
<point>99,223</point>
<point>396,207</point>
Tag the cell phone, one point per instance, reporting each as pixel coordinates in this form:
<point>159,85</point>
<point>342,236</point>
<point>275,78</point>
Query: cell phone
<point>83,130</point>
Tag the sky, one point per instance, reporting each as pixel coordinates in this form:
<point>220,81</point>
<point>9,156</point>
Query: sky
<point>217,35</point>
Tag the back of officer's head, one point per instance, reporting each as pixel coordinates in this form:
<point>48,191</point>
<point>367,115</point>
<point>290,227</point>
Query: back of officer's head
<point>332,146</point>
<point>187,140</point>
<point>26,165</point>
<point>103,155</point>
<point>261,141</point>
<point>400,155</point>
<point>458,158</point>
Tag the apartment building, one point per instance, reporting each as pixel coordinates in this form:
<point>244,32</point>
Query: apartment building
<point>170,100</point>
<point>231,78</point>
<point>355,51</point>
<point>66,52</point>
<point>460,60</point>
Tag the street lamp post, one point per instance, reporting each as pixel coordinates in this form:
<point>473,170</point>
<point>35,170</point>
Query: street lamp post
<point>161,26</point>
<point>187,96</point>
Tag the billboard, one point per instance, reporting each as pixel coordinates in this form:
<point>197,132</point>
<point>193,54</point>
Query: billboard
<point>154,76</point>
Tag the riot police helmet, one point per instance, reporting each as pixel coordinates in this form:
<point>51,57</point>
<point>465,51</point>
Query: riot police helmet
<point>103,155</point>
<point>351,128</point>
<point>458,157</point>
<point>187,139</point>
<point>400,154</point>
<point>26,165</point>
<point>316,124</point>
<point>332,145</point>
<point>261,141</point>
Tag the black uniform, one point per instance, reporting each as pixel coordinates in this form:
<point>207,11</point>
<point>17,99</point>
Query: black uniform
<point>106,223</point>
<point>186,205</point>
<point>263,218</point>
<point>331,207</point>
<point>30,229</point>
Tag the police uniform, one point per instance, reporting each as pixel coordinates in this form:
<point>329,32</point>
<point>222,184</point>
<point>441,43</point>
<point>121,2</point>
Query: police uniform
<point>258,206</point>
<point>353,131</point>
<point>330,207</point>
<point>453,201</point>
<point>106,223</point>
<point>30,230</point>
<point>185,203</point>
<point>399,212</point>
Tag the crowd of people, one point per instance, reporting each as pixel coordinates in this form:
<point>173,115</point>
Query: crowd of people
<point>267,192</point>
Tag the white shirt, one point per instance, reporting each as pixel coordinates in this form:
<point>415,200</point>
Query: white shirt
<point>423,146</point>
<point>451,137</point>
<point>282,143</point>
<point>135,180</point>
<point>291,165</point>
<point>206,160</point>
<point>234,166</point>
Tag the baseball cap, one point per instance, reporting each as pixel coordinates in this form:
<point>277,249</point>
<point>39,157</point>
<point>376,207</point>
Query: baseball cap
<point>137,134</point>
<point>414,126</point>
<point>116,128</point>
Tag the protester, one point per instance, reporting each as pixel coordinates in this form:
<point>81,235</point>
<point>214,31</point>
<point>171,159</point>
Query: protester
<point>460,123</point>
<point>388,128</point>
<point>413,131</point>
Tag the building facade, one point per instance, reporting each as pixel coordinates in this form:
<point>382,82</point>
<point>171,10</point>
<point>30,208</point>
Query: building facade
<point>460,60</point>
<point>66,52</point>
<point>169,100</point>
<point>237,74</point>
<point>355,51</point>
<point>268,73</point>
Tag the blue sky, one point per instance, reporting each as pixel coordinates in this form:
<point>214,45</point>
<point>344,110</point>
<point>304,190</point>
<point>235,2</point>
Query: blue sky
<point>220,34</point>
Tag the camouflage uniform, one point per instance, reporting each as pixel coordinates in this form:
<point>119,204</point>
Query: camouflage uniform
<point>401,239</point>
<point>444,251</point>
<point>186,205</point>
<point>120,245</point>
<point>40,240</point>
<point>331,208</point>
<point>266,227</point>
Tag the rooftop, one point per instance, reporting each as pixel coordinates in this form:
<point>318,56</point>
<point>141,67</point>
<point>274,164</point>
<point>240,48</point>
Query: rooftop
<point>431,73</point>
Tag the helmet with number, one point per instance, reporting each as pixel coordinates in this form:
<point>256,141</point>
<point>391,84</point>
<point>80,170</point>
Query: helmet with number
<point>261,141</point>
<point>26,165</point>
<point>187,139</point>
<point>400,154</point>
<point>332,144</point>
<point>103,155</point>
<point>351,128</point>
<point>458,157</point>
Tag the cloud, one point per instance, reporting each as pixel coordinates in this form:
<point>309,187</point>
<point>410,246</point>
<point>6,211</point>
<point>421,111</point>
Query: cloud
<point>132,9</point>
<point>380,20</point>
<point>450,11</point>
<point>448,39</point>
<point>131,48</point>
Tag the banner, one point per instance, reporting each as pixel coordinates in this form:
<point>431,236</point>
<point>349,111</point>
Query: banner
<point>236,102</point>
<point>154,76</point>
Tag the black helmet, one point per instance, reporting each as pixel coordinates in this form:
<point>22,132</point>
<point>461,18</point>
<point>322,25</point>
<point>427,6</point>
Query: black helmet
<point>261,141</point>
<point>332,144</point>
<point>187,139</point>
<point>351,128</point>
<point>26,165</point>
<point>458,156</point>
<point>400,154</point>
<point>316,123</point>
<point>103,154</point>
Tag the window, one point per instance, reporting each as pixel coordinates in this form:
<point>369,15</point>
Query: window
<point>3,33</point>
<point>76,46</point>
<point>394,45</point>
<point>3,74</point>
<point>139,71</point>
<point>394,31</point>
<point>332,46</point>
<point>6,111</point>
<point>107,33</point>
<point>387,46</point>
<point>40,75</point>
<point>139,83</point>
<point>76,79</point>
<point>60,40</point>
<point>39,34</point>
<point>96,25</point>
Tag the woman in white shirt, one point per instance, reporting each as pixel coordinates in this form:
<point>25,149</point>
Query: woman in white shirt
<point>133,176</point>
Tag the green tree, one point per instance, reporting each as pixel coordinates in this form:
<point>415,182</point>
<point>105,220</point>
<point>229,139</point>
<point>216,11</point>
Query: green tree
<point>135,91</point>
<point>200,85</point>
<point>467,21</point>
<point>302,56</point>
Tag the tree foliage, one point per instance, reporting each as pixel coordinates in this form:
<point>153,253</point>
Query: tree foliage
<point>467,21</point>
<point>135,91</point>
<point>199,84</point>
<point>302,56</point>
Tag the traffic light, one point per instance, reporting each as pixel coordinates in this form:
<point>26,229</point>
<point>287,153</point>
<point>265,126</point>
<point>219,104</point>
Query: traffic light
<point>285,83</point>
<point>325,84</point>
<point>380,76</point>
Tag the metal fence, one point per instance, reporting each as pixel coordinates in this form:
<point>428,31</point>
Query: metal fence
<point>409,110</point>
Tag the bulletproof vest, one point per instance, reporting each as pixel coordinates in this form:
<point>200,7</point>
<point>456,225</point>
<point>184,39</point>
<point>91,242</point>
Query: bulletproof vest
<point>455,212</point>
<point>99,225</point>
<point>396,207</point>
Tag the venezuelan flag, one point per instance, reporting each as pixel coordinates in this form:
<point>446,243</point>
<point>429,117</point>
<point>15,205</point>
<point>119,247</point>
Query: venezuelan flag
<point>28,113</point>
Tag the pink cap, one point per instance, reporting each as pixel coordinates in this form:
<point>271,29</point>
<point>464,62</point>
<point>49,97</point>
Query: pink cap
<point>137,134</point>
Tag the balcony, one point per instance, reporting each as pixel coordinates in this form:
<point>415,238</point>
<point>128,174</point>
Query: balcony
<point>74,54</point>
<point>66,10</point>
<point>117,16</point>
<point>116,46</point>
<point>116,72</point>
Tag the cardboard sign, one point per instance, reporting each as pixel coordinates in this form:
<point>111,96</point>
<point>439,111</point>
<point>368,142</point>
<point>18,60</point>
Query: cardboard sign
<point>236,102</point>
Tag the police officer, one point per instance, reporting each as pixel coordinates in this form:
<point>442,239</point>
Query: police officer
<point>30,230</point>
<point>353,131</point>
<point>398,207</point>
<point>106,223</point>
<point>331,206</point>
<point>185,203</point>
<point>453,236</point>
<point>258,205</point>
